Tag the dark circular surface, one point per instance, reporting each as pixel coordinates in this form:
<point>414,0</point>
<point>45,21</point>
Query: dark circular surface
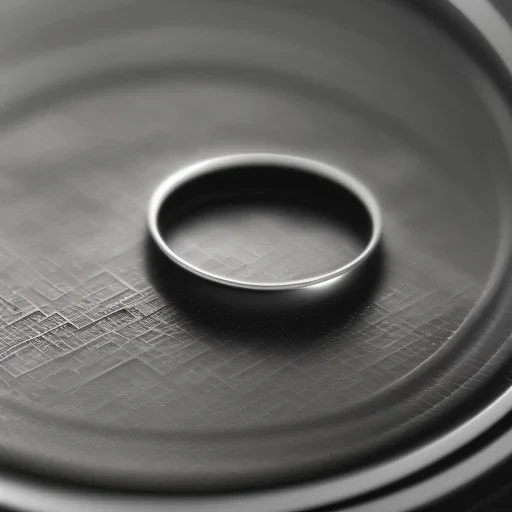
<point>106,380</point>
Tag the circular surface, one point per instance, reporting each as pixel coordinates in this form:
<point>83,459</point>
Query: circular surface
<point>245,237</point>
<point>264,251</point>
<point>103,378</point>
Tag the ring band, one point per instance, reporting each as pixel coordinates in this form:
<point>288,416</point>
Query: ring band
<point>335,176</point>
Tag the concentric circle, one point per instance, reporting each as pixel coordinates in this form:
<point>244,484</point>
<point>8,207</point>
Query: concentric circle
<point>107,381</point>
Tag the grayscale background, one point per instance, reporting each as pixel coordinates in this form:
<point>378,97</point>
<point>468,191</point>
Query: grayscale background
<point>103,378</point>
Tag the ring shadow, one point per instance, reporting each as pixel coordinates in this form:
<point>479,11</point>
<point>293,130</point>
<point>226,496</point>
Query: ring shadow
<point>244,314</point>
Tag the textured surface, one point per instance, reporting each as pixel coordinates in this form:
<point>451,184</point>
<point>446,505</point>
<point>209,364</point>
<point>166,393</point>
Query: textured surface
<point>265,241</point>
<point>85,330</point>
<point>85,333</point>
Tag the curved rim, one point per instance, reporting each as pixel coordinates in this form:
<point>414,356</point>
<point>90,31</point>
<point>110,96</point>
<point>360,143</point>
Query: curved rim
<point>16,491</point>
<point>335,175</point>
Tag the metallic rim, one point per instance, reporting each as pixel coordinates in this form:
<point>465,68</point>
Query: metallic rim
<point>340,178</point>
<point>20,492</point>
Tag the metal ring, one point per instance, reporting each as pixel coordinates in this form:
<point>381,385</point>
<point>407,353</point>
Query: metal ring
<point>336,176</point>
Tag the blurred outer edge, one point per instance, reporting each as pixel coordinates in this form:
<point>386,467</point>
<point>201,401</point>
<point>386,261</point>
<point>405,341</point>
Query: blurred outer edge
<point>481,29</point>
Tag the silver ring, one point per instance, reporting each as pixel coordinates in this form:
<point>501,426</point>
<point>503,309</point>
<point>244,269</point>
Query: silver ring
<point>336,176</point>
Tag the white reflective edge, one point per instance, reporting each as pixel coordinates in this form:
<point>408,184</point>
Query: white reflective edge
<point>165,190</point>
<point>25,494</point>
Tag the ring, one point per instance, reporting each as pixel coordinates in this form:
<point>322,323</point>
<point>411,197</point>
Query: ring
<point>217,175</point>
